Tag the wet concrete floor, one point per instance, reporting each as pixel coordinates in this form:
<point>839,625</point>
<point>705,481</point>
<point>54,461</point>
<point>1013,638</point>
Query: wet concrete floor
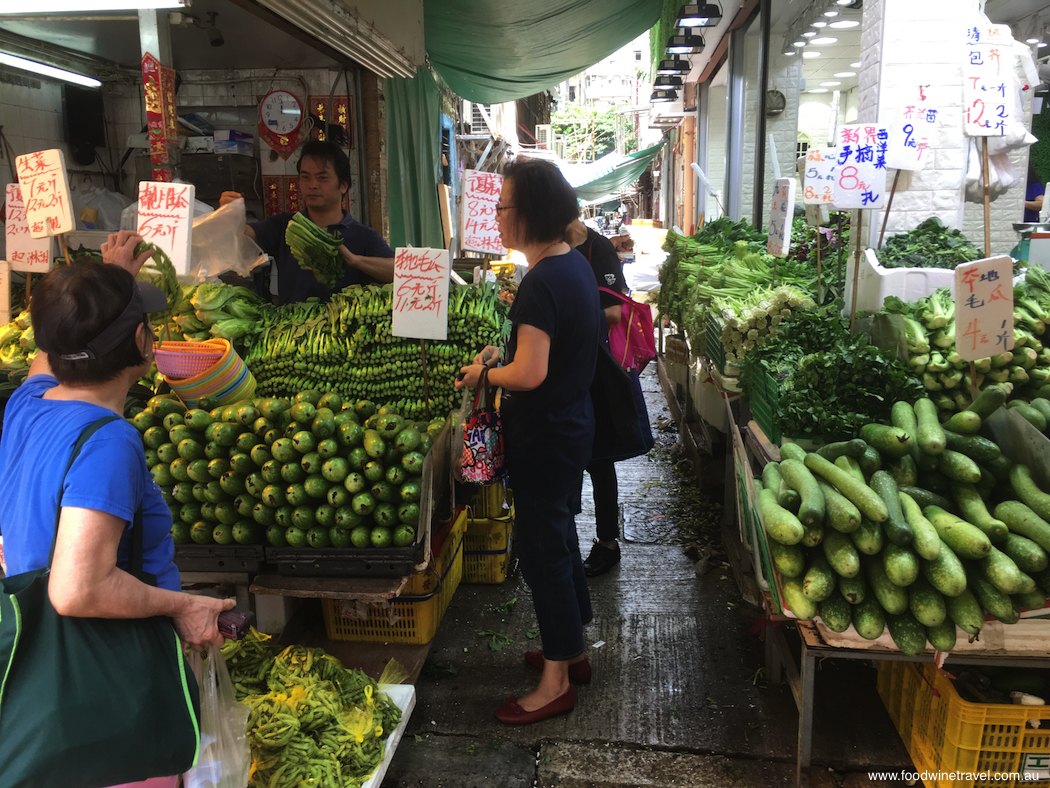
<point>679,695</point>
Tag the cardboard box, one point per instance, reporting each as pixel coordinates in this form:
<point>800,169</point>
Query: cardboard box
<point>200,145</point>
<point>233,141</point>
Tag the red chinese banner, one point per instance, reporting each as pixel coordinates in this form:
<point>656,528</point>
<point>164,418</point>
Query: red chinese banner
<point>292,193</point>
<point>273,195</point>
<point>161,117</point>
<point>284,144</point>
<point>342,115</point>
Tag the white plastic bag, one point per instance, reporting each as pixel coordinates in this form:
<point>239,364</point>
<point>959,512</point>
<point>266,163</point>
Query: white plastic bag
<point>219,244</point>
<point>224,755</point>
<point>104,208</point>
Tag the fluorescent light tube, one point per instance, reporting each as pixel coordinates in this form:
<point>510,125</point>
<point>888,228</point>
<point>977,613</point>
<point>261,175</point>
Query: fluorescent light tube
<point>48,71</point>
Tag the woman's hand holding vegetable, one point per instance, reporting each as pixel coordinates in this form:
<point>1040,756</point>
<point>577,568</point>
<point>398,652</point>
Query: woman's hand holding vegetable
<point>119,250</point>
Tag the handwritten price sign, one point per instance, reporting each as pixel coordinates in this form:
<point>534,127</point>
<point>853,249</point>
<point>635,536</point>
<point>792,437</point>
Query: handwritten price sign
<point>45,190</point>
<point>24,252</point>
<point>480,196</point>
<point>819,175</point>
<point>984,308</point>
<point>860,178</point>
<point>421,293</point>
<point>782,211</point>
<point>988,82</point>
<point>166,219</point>
<point>910,135</point>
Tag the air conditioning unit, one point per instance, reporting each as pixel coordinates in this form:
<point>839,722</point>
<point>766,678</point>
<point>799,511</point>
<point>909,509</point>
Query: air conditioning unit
<point>544,135</point>
<point>477,119</point>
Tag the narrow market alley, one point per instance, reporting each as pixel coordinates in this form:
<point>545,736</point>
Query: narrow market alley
<point>679,695</point>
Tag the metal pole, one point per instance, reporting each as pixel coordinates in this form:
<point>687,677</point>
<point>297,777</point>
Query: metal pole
<point>758,201</point>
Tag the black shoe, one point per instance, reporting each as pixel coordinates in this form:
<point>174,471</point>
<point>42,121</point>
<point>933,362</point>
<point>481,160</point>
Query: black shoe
<point>601,559</point>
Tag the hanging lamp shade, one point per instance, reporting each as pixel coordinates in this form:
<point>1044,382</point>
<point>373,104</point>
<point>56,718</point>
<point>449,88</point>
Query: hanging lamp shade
<point>683,41</point>
<point>699,15</point>
<point>663,96</point>
<point>667,81</point>
<point>674,65</point>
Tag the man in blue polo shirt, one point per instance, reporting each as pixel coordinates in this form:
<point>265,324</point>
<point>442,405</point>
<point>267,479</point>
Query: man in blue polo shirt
<point>324,177</point>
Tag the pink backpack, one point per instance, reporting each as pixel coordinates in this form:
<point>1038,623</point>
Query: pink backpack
<point>631,340</point>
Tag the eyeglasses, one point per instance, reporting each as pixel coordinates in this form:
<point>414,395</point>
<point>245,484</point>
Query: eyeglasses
<point>501,208</point>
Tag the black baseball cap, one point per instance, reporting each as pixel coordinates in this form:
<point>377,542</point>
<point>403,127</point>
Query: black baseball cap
<point>145,298</point>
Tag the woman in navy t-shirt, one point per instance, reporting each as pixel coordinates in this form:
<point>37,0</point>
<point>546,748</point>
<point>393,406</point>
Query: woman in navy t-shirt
<point>548,422</point>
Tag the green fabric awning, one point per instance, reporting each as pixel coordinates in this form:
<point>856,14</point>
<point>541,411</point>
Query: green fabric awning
<point>492,51</point>
<point>610,175</point>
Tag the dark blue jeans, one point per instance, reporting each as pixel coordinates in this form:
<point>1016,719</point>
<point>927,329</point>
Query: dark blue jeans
<point>549,556</point>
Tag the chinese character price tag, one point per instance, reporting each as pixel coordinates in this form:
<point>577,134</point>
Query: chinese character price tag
<point>166,219</point>
<point>480,196</point>
<point>781,212</point>
<point>24,252</point>
<point>421,293</point>
<point>910,135</point>
<point>819,177</point>
<point>860,179</point>
<point>988,82</point>
<point>45,192</point>
<point>984,308</point>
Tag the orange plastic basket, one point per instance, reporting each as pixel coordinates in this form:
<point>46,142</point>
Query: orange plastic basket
<point>181,360</point>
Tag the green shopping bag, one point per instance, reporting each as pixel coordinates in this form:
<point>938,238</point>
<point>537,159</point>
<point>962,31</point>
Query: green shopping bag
<point>88,702</point>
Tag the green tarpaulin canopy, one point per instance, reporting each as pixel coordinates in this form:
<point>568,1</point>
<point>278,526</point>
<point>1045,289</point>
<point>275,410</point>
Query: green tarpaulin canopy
<point>610,175</point>
<point>492,51</point>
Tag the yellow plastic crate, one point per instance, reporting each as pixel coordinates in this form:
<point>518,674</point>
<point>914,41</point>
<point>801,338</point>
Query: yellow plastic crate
<point>954,741</point>
<point>486,550</point>
<point>488,501</point>
<point>414,617</point>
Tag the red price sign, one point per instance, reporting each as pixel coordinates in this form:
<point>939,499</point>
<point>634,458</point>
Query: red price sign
<point>480,197</point>
<point>45,191</point>
<point>421,293</point>
<point>166,219</point>
<point>984,308</point>
<point>24,252</point>
<point>820,171</point>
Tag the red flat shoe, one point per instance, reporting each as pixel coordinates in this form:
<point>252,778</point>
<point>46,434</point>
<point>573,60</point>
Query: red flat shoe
<point>578,671</point>
<point>513,714</point>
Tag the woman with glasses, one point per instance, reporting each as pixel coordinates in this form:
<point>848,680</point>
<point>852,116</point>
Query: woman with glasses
<point>548,422</point>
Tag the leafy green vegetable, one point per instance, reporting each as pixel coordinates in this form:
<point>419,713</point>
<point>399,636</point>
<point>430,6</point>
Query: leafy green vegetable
<point>930,245</point>
<point>316,249</point>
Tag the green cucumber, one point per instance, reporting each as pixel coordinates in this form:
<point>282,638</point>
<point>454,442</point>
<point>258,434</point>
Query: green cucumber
<point>780,524</point>
<point>1000,570</point>
<point>924,497</point>
<point>966,540</point>
<point>862,496</point>
<point>889,441</point>
<point>903,470</point>
<point>852,589</point>
<point>907,633</point>
<point>943,636</point>
<point>896,527</point>
<point>798,477</point>
<point>868,537</point>
<point>851,466</point>
<point>1034,600</point>
<point>965,422</point>
<point>1020,519</point>
<point>1043,406</point>
<point>1028,556</point>
<point>945,572</point>
<point>935,482</point>
<point>841,513</point>
<point>771,476</point>
<point>992,600</point>
<point>1042,579</point>
<point>1030,414</point>
<point>965,611</point>
<point>836,613</point>
<point>974,511</point>
<point>1027,584</point>
<point>893,598</point>
<point>975,447</point>
<point>812,535</point>
<point>870,461</point>
<point>925,540</point>
<point>841,554</point>
<point>797,602</point>
<point>1000,467</point>
<point>901,565</point>
<point>926,603</point>
<point>929,434</point>
<point>958,467</point>
<point>987,402</point>
<point>789,560</point>
<point>792,451</point>
<point>1028,491</point>
<point>819,581</point>
<point>869,619</point>
<point>832,451</point>
<point>788,498</point>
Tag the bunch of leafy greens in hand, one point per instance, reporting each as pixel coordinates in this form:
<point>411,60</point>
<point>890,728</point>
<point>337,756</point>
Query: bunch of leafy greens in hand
<point>830,384</point>
<point>930,245</point>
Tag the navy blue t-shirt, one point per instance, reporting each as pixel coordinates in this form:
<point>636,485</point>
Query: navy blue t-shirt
<point>549,431</point>
<point>110,475</point>
<point>295,284</point>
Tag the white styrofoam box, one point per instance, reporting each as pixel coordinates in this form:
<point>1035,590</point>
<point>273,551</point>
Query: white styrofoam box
<point>5,317</point>
<point>708,400</point>
<point>875,283</point>
<point>272,613</point>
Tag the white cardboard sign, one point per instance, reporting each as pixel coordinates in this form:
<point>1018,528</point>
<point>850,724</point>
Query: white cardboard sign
<point>45,191</point>
<point>24,252</point>
<point>910,134</point>
<point>819,177</point>
<point>988,80</point>
<point>421,293</point>
<point>984,308</point>
<point>480,197</point>
<point>781,213</point>
<point>5,299</point>
<point>166,219</point>
<point>860,180</point>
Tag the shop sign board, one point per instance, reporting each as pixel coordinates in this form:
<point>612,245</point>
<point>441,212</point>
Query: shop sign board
<point>165,218</point>
<point>781,214</point>
<point>909,143</point>
<point>480,197</point>
<point>45,191</point>
<point>860,177</point>
<point>24,252</point>
<point>988,82</point>
<point>421,293</point>
<point>819,177</point>
<point>984,308</point>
